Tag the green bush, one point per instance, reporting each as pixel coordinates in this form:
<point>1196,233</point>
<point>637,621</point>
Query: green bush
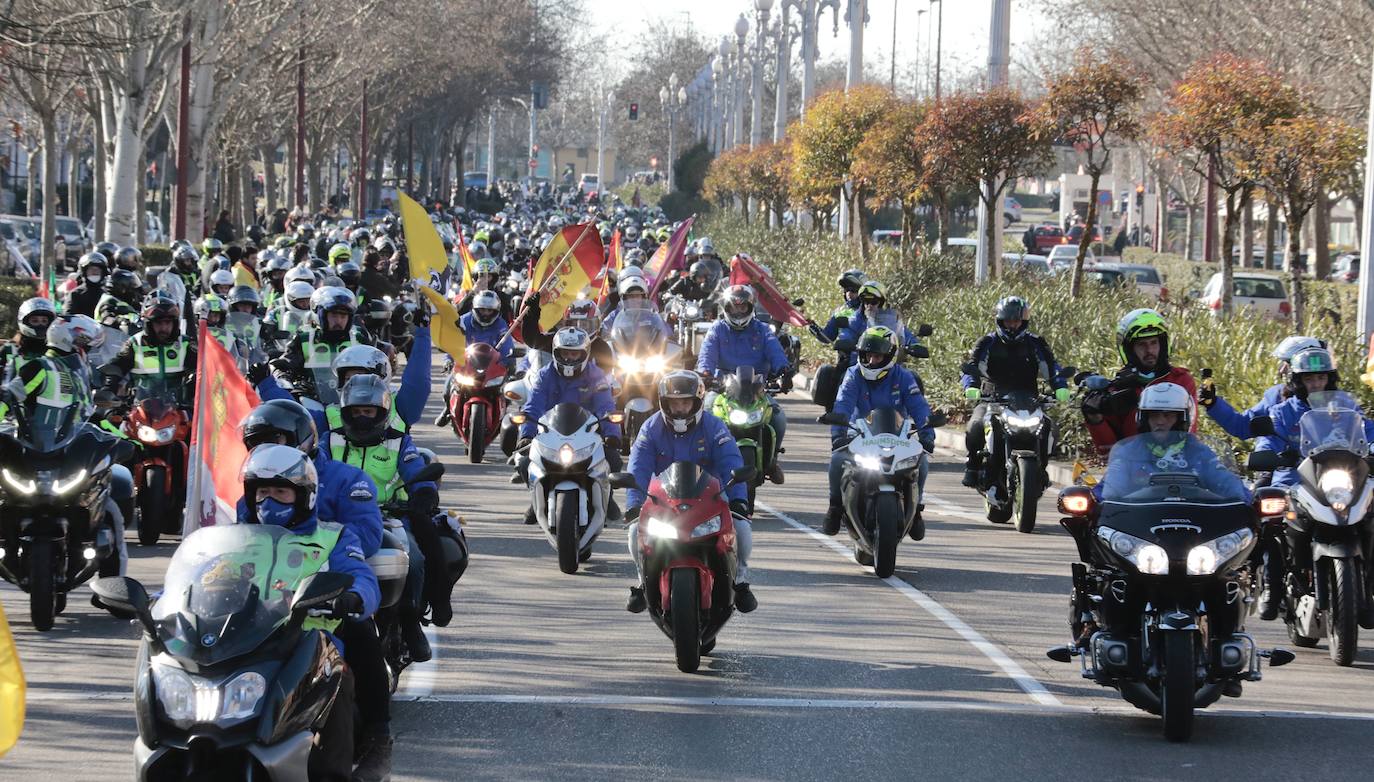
<point>939,291</point>
<point>13,292</point>
<point>156,255</point>
<point>680,206</point>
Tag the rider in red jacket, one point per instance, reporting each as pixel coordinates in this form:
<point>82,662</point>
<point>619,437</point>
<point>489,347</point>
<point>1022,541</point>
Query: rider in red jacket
<point>1143,344</point>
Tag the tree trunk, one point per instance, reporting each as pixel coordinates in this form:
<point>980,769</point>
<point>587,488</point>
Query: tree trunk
<point>942,219</point>
<point>32,181</point>
<point>860,227</point>
<point>1320,262</point>
<point>1228,243</point>
<point>50,165</point>
<point>141,200</point>
<point>98,180</point>
<point>1188,220</point>
<point>1271,224</point>
<point>1076,281</point>
<point>122,190</point>
<point>1295,223</point>
<point>73,174</point>
<point>269,180</point>
<point>313,173</point>
<point>1247,233</point>
<point>249,201</point>
<point>290,177</point>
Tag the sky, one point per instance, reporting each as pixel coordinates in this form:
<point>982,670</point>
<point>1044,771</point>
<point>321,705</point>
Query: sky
<point>965,27</point>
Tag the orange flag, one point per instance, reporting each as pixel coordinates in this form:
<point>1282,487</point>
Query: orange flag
<point>223,399</point>
<point>615,260</point>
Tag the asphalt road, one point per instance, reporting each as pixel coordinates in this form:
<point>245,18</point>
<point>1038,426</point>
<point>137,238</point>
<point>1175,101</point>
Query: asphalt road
<point>937,672</point>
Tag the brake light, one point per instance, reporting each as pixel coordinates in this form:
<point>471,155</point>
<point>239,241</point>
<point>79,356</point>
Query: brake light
<point>1216,304</point>
<point>1285,308</point>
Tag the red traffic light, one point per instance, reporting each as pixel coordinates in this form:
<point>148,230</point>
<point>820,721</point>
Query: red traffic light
<point>634,111</point>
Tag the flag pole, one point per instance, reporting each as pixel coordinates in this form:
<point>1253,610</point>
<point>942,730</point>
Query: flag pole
<point>555,270</point>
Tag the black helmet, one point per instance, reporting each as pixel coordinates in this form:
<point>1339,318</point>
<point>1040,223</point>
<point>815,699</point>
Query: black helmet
<point>125,284</point>
<point>160,305</point>
<point>284,417</point>
<point>129,257</point>
<point>185,258</point>
<point>376,314</point>
<point>1012,308</point>
<point>851,280</point>
<point>351,273</point>
<point>1309,362</point>
<point>109,250</point>
<point>365,390</point>
<point>93,259</point>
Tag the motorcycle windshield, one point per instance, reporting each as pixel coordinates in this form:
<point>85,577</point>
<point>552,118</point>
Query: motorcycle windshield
<point>744,387</point>
<point>1333,424</point>
<point>109,347</point>
<point>167,389</point>
<point>326,386</point>
<point>1021,401</point>
<point>245,327</point>
<point>637,333</point>
<point>480,360</point>
<point>892,320</point>
<point>1168,467</point>
<point>225,592</point>
<point>47,428</point>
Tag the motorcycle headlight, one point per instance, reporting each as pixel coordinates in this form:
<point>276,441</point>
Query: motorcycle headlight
<point>708,527</point>
<point>566,455</point>
<point>242,695</point>
<point>62,487</point>
<point>693,312</point>
<point>185,698</point>
<point>868,462</point>
<point>1024,421</point>
<point>1204,560</point>
<point>1339,488</point>
<point>464,380</point>
<point>654,364</point>
<point>21,485</point>
<point>658,528</point>
<point>1148,558</point>
<point>739,417</point>
<point>629,363</point>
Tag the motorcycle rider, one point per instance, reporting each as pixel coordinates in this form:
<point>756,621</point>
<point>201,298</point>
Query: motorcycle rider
<point>1237,423</point>
<point>1143,344</point>
<point>291,312</point>
<point>741,340</point>
<point>634,295</point>
<point>697,285</point>
<point>159,358</point>
<point>93,270</point>
<point>877,382</point>
<point>484,324</point>
<point>680,432</point>
<point>850,281</point>
<point>314,347</point>
<point>186,265</point>
<point>221,282</point>
<point>1011,358</point>
<point>118,308</point>
<point>486,274</point>
<point>280,487</point>
<point>35,316</point>
<point>275,273</point>
<point>872,310</point>
<point>212,309</point>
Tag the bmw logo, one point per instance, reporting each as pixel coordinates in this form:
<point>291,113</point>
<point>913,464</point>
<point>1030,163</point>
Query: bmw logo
<point>208,639</point>
<point>171,354</point>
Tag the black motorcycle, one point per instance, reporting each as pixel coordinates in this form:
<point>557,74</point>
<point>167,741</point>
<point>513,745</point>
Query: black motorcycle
<point>1160,597</point>
<point>54,532</point>
<point>1019,438</point>
<point>235,678</point>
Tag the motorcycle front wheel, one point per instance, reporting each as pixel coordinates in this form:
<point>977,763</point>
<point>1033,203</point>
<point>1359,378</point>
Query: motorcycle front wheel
<point>1176,688</point>
<point>42,586</point>
<point>1344,631</point>
<point>1025,494</point>
<point>685,604</point>
<point>565,519</point>
<point>888,527</point>
<point>152,502</point>
<point>477,435</point>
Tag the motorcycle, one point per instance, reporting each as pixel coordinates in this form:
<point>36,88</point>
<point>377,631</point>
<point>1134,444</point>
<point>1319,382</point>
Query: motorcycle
<point>687,545</point>
<point>54,532</point>
<point>246,329</point>
<point>516,391</point>
<point>830,376</point>
<point>568,479</point>
<point>229,683</point>
<point>1327,545</point>
<point>744,406</point>
<point>642,356</point>
<point>1019,437</point>
<point>690,320</point>
<point>476,403</point>
<point>880,485</point>
<point>158,423</point>
<point>1165,582</point>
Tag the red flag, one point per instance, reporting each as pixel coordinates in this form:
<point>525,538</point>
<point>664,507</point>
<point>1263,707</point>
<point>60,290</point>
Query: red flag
<point>668,257</point>
<point>223,399</point>
<point>614,262</point>
<point>745,271</point>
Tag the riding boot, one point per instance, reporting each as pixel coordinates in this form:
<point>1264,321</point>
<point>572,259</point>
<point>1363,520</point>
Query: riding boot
<point>414,636</point>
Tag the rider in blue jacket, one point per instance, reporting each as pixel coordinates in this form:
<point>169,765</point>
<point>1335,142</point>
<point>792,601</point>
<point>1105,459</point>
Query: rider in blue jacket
<point>872,310</point>
<point>1236,422</point>
<point>348,496</point>
<point>634,296</point>
<point>877,382</point>
<point>1313,372</point>
<point>679,432</point>
<point>485,324</point>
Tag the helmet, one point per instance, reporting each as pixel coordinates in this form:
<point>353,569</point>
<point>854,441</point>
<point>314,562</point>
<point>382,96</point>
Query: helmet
<point>1142,324</point>
<point>125,284</point>
<point>485,266</point>
<point>873,293</point>
<point>185,258</point>
<point>305,231</point>
<point>583,314</point>
<point>1164,397</point>
<point>1310,362</point>
<point>705,247</point>
<point>681,384</point>
<point>280,417</point>
<point>632,233</point>
<point>376,315</point>
<point>108,249</point>
<point>211,304</point>
<point>280,465</point>
<point>278,263</point>
<point>478,248</point>
<point>61,338</point>
<point>634,257</point>
<point>221,278</point>
<point>1291,346</point>
<point>332,281</point>
<point>664,234</point>
<point>738,305</point>
<point>332,299</point>
<point>851,280</point>
<point>244,294</point>
<point>211,247</point>
<point>339,253</point>
<point>86,333</point>
<point>350,273</point>
<point>633,283</point>
<point>360,358</point>
<point>365,391</point>
<point>486,307</point>
<point>877,350</point>
<point>301,273</point>
<point>571,349</point>
<point>160,305</point>
<point>282,242</point>
<point>30,308</point>
<point>296,291</point>
<point>129,258</point>
<point>90,260</point>
<point>1012,308</point>
<point>360,237</point>
<point>384,246</point>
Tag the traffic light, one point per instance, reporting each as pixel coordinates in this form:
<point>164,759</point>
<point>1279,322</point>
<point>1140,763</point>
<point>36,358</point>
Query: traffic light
<point>634,111</point>
<point>1140,196</point>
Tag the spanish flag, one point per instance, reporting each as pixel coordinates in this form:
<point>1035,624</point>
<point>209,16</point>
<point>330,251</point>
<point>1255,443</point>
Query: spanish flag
<point>568,265</point>
<point>11,689</point>
<point>429,268</point>
<point>469,265</point>
<point>615,260</point>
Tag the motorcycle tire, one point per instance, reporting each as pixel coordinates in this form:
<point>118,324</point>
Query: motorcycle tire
<point>509,436</point>
<point>42,586</point>
<point>685,605</point>
<point>1176,688</point>
<point>997,515</point>
<point>1025,494</point>
<point>749,454</point>
<point>477,436</point>
<point>1343,632</point>
<point>152,502</point>
<point>565,521</point>
<point>888,530</point>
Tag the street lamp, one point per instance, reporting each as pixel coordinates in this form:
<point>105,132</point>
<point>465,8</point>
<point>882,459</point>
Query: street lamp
<point>713,111</point>
<point>601,142</point>
<point>756,117</point>
<point>809,12</point>
<point>673,98</point>
<point>726,100</point>
<point>939,31</point>
<point>785,35</point>
<point>741,30</point>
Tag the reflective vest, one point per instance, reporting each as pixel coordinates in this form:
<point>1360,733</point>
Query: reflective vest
<point>159,359</point>
<point>333,414</point>
<point>320,354</point>
<point>228,340</point>
<point>381,462</point>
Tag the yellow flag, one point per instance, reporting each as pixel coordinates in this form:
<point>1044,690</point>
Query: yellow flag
<point>424,248</point>
<point>244,277</point>
<point>11,689</point>
<point>443,325</point>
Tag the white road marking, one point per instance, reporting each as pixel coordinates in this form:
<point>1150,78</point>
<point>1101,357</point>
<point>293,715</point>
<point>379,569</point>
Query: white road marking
<point>1010,667</point>
<point>944,507</point>
<point>420,678</point>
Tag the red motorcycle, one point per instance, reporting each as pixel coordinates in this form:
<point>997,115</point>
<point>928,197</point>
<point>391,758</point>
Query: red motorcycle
<point>687,544</point>
<point>475,404</point>
<point>160,467</point>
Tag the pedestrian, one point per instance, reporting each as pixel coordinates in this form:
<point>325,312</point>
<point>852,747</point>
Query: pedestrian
<point>224,229</point>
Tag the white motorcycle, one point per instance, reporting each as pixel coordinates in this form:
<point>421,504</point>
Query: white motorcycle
<point>569,481</point>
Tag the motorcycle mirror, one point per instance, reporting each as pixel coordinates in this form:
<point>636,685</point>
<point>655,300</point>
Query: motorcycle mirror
<point>799,302</point>
<point>622,480</point>
<point>918,351</point>
<point>1262,461</point>
<point>430,472</point>
<point>1262,426</point>
<point>122,594</point>
<point>925,330</point>
<point>937,420</point>
<point>743,474</point>
<point>319,589</point>
<point>834,419</point>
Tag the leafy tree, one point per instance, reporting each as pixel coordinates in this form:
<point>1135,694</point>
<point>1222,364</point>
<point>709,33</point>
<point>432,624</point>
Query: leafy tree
<point>1093,105</point>
<point>891,164</point>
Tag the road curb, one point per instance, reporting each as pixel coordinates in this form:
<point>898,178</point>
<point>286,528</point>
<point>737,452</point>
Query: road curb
<point>948,438</point>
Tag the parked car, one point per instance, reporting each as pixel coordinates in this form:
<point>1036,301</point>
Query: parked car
<point>1033,264</point>
<point>1263,293</point>
<point>1068,252</point>
<point>1076,233</point>
<point>887,238</point>
<point>1145,277</point>
<point>1047,237</point>
<point>1011,210</point>
<point>72,232</point>
<point>588,184</point>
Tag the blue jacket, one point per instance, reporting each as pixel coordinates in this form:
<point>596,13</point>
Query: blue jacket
<point>347,496</point>
<point>413,394</point>
<point>843,313</point>
<point>724,350</point>
<point>409,463</point>
<point>491,335</point>
<point>858,324</point>
<point>590,390</point>
<point>1125,474</point>
<point>347,557</point>
<point>1237,424</point>
<point>708,444</point>
<point>898,390</point>
<point>608,323</point>
<point>1286,416</point>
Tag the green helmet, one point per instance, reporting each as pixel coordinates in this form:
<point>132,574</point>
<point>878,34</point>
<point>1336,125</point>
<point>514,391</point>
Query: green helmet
<point>872,290</point>
<point>877,352</point>
<point>485,266</point>
<point>211,247</point>
<point>339,253</point>
<point>1141,324</point>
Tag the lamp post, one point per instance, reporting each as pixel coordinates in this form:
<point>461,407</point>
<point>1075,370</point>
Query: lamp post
<point>785,35</point>
<point>601,142</point>
<point>673,99</point>
<point>741,30</point>
<point>939,32</point>
<point>856,15</point>
<point>809,13</point>
<point>990,220</point>
<point>920,12</point>
<point>713,111</point>
<point>760,33</point>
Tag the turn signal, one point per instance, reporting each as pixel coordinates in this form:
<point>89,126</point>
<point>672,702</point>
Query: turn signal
<point>1273,506</point>
<point>1076,501</point>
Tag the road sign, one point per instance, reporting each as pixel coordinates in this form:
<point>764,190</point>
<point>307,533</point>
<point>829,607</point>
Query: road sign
<point>534,163</point>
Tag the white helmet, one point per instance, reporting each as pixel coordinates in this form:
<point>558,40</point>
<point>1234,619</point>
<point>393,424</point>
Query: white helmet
<point>298,289</point>
<point>1164,397</point>
<point>571,349</point>
<point>300,273</point>
<point>221,277</point>
<point>361,358</point>
<point>486,307</point>
<point>632,283</point>
<point>1291,346</point>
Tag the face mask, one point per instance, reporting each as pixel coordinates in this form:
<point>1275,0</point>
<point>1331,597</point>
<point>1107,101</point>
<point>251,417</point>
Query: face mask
<point>94,276</point>
<point>274,511</point>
